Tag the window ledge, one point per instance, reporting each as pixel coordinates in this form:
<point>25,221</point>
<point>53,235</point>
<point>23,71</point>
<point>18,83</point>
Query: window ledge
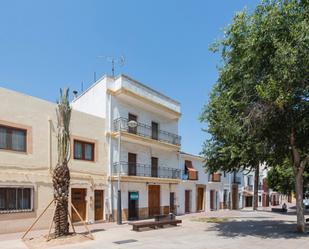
<point>16,211</point>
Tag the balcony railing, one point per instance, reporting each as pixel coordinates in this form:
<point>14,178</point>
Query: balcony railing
<point>145,130</point>
<point>237,180</point>
<point>138,169</point>
<point>215,177</point>
<point>249,188</point>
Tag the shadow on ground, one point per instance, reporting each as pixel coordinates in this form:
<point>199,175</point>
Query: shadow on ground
<point>266,229</point>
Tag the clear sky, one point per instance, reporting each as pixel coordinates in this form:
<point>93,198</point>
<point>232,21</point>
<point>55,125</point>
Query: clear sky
<point>45,45</point>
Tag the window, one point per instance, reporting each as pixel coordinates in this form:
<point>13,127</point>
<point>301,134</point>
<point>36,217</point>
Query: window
<point>13,139</point>
<point>154,130</point>
<point>83,150</point>
<point>16,199</point>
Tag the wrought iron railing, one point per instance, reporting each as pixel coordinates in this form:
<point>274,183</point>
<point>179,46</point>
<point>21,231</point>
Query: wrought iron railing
<point>139,169</point>
<point>237,180</point>
<point>145,130</point>
<point>249,188</point>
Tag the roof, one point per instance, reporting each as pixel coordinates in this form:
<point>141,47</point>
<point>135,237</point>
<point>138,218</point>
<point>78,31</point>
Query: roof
<point>130,79</point>
<point>192,155</point>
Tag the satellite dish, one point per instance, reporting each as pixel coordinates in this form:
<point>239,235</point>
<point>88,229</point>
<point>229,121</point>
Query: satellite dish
<point>132,124</point>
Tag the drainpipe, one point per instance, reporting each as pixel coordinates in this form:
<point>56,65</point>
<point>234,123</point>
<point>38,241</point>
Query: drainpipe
<point>110,158</point>
<point>50,138</point>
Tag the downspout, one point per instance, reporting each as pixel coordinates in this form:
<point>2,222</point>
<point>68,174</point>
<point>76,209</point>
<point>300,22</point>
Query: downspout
<point>50,138</point>
<point>110,157</point>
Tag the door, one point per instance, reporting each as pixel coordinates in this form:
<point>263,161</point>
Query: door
<point>132,117</point>
<point>154,167</point>
<point>153,200</point>
<point>98,204</point>
<point>133,205</point>
<point>172,202</point>
<point>132,164</point>
<point>212,202</point>
<point>249,201</point>
<point>78,199</point>
<point>155,130</point>
<point>200,199</point>
<point>187,201</point>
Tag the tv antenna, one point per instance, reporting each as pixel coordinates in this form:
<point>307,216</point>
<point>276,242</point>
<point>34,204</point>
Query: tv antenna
<point>120,61</point>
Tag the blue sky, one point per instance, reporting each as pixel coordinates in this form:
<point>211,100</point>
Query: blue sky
<point>45,45</point>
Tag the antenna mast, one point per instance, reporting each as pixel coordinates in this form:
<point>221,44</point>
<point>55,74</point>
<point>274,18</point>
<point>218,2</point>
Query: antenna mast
<point>120,61</point>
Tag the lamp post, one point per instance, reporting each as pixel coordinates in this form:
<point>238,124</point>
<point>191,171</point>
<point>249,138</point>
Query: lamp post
<point>131,124</point>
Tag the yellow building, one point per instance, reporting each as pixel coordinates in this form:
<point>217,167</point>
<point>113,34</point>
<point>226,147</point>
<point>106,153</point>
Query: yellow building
<point>28,154</point>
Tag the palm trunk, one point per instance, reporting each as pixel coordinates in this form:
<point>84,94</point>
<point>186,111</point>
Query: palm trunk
<point>61,176</point>
<point>61,183</point>
<point>256,188</point>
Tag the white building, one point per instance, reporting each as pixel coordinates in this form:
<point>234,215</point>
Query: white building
<point>142,144</point>
<point>191,194</point>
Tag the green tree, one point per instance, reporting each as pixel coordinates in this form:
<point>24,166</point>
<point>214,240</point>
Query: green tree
<point>280,178</point>
<point>263,91</point>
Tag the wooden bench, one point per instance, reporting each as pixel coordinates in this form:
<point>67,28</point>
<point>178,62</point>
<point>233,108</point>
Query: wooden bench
<point>154,224</point>
<point>279,210</point>
<point>161,217</point>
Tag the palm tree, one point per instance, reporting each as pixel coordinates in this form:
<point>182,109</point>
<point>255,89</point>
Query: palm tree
<point>61,174</point>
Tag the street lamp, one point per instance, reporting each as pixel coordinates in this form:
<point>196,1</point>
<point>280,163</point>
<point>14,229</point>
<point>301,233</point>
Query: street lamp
<point>131,124</point>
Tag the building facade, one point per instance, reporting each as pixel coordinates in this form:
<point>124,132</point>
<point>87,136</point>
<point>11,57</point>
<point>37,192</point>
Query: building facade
<point>28,152</point>
<point>125,156</point>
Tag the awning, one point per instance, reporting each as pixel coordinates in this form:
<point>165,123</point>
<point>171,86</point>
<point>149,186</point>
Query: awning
<point>192,173</point>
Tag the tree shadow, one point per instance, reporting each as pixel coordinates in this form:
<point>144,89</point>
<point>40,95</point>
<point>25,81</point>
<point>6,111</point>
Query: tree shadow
<point>266,229</point>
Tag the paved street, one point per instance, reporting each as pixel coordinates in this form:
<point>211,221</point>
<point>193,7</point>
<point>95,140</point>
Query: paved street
<point>233,229</point>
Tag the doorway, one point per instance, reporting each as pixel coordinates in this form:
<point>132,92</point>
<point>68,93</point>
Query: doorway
<point>187,201</point>
<point>154,167</point>
<point>132,117</point>
<point>200,199</point>
<point>154,130</point>
<point>153,200</point>
<point>133,205</point>
<point>78,199</point>
<point>172,203</point>
<point>249,201</point>
<point>132,164</point>
<point>213,199</point>
<point>98,204</point>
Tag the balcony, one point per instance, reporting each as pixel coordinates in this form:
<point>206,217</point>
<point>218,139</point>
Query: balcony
<point>237,180</point>
<point>191,176</point>
<point>147,131</point>
<point>145,170</point>
<point>249,188</point>
<point>216,177</point>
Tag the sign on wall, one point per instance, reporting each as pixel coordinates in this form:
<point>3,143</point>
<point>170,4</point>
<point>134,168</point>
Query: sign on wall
<point>133,196</point>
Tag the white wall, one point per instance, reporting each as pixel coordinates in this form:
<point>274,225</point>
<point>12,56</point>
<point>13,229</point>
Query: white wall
<point>93,100</point>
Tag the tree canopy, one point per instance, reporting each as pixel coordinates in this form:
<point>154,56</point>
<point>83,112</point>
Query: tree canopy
<point>259,108</point>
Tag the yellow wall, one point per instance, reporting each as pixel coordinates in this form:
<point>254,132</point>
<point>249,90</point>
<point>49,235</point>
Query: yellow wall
<point>34,168</point>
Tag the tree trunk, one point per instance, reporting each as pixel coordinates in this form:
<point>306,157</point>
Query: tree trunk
<point>299,200</point>
<point>61,183</point>
<point>256,188</point>
<point>298,168</point>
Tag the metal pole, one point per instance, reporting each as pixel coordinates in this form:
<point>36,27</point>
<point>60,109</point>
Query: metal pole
<point>119,209</point>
